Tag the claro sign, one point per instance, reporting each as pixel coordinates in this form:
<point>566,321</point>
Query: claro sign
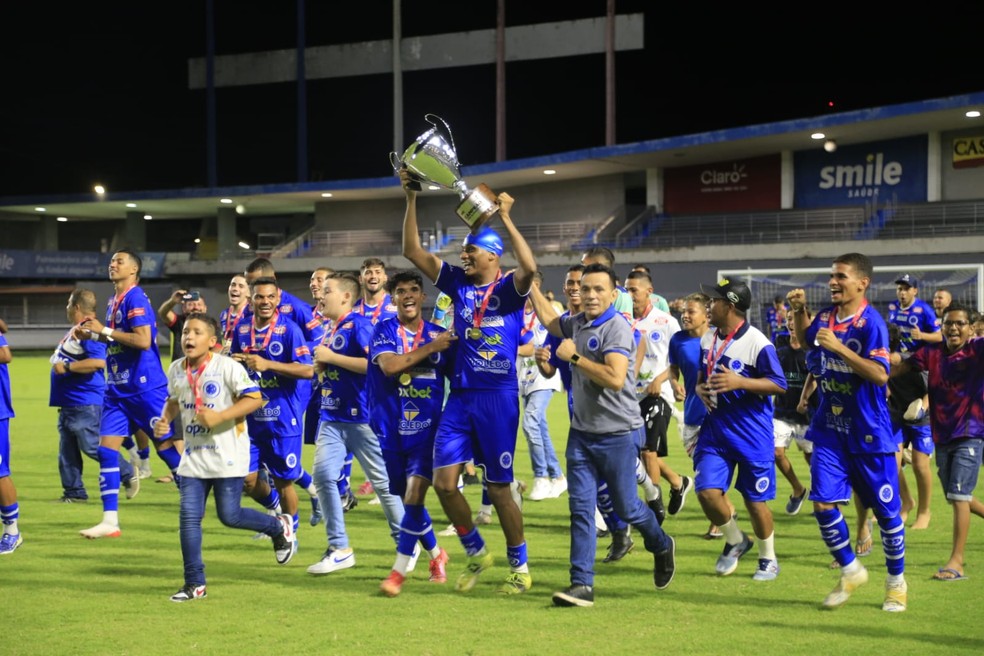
<point>730,186</point>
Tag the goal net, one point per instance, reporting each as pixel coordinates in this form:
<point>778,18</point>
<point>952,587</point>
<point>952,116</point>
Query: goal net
<point>963,281</point>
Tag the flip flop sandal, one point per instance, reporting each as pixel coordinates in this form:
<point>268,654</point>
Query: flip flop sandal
<point>862,547</point>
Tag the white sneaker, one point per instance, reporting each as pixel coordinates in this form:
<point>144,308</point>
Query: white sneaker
<point>413,559</point>
<point>558,486</point>
<point>101,530</point>
<point>132,485</point>
<point>846,586</point>
<point>374,501</point>
<point>449,531</point>
<point>482,518</point>
<point>541,489</point>
<point>332,561</point>
<point>896,597</point>
<point>285,544</point>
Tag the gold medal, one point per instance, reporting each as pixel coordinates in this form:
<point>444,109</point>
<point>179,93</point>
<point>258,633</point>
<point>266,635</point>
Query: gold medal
<point>474,333</point>
<point>405,379</point>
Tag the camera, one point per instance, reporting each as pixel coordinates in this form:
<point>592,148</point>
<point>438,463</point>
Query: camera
<point>191,296</point>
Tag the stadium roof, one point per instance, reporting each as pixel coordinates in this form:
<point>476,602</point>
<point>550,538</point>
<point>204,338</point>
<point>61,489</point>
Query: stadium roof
<point>853,127</point>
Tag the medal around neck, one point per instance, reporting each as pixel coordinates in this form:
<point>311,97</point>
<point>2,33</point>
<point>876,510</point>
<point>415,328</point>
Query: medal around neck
<point>432,159</point>
<point>405,379</point>
<point>474,333</point>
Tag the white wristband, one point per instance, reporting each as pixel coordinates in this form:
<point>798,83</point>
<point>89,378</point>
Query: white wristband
<point>106,331</point>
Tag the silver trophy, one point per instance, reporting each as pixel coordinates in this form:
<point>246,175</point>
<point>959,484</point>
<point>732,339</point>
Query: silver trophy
<point>431,158</point>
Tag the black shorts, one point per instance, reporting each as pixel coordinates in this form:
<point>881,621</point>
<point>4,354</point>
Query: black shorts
<point>656,412</point>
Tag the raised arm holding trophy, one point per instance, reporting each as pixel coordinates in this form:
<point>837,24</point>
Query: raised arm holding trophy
<point>431,158</point>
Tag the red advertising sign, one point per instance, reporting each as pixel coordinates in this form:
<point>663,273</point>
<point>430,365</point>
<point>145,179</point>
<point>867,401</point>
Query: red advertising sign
<point>734,186</point>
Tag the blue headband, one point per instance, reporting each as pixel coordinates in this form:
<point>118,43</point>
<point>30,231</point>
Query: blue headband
<point>486,238</point>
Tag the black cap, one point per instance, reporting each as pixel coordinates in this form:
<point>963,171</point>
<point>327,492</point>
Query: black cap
<point>737,293</point>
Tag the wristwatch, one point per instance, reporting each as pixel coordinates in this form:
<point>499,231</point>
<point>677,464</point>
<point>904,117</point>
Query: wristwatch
<point>574,359</point>
<point>68,367</point>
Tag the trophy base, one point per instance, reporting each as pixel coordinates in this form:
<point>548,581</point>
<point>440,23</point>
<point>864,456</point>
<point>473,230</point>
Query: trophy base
<point>477,207</point>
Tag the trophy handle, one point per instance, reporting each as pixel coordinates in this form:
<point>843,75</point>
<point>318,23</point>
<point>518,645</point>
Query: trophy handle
<point>397,165</point>
<point>441,127</point>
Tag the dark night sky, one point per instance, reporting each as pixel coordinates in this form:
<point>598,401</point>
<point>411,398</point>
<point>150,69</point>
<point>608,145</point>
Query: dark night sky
<point>98,91</point>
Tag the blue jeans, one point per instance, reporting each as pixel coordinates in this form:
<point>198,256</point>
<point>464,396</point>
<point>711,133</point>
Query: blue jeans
<point>228,492</point>
<point>78,434</point>
<point>335,439</point>
<point>537,432</point>
<point>611,458</point>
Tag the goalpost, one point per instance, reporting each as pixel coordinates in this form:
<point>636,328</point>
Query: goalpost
<point>963,281</point>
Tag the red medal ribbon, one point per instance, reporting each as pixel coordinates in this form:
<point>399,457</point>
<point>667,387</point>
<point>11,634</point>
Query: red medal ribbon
<point>230,325</point>
<point>417,338</point>
<point>116,306</point>
<point>375,313</point>
<point>334,328</point>
<point>193,380</point>
<point>712,357</point>
<point>478,314</point>
<point>841,327</point>
<point>645,313</point>
<point>266,338</point>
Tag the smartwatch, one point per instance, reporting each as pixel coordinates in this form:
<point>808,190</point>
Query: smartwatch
<point>574,359</point>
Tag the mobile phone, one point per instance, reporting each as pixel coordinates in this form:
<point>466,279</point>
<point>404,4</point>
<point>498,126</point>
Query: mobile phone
<point>191,296</point>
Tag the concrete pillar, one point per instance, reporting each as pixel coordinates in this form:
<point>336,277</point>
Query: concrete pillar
<point>228,241</point>
<point>135,231</point>
<point>46,237</point>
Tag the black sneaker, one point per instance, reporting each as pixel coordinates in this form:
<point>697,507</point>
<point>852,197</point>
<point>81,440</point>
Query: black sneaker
<point>679,497</point>
<point>656,505</point>
<point>574,595</point>
<point>664,565</point>
<point>621,545</point>
<point>72,500</point>
<point>470,479</point>
<point>349,501</point>
<point>189,593</point>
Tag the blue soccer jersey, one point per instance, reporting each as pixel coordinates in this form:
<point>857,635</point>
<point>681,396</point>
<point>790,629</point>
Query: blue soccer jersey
<point>343,393</point>
<point>685,355</point>
<point>486,355</point>
<point>852,414</point>
<point>229,322</point>
<point>405,409</point>
<point>741,422</point>
<point>6,405</point>
<point>297,311</point>
<point>376,313</point>
<point>918,315</point>
<point>74,389</point>
<point>131,371</point>
<point>285,398</point>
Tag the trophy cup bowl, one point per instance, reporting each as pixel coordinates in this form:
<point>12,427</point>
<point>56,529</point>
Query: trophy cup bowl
<point>432,158</point>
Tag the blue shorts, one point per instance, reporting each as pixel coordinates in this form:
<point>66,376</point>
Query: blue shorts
<point>874,477</point>
<point>4,448</point>
<point>920,437</point>
<point>479,425</point>
<point>400,465</point>
<point>958,464</point>
<point>756,478</point>
<point>281,455</point>
<point>122,417</point>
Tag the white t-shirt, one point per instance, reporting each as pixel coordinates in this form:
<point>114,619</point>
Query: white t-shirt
<point>656,327</point>
<point>223,451</point>
<point>530,378</point>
